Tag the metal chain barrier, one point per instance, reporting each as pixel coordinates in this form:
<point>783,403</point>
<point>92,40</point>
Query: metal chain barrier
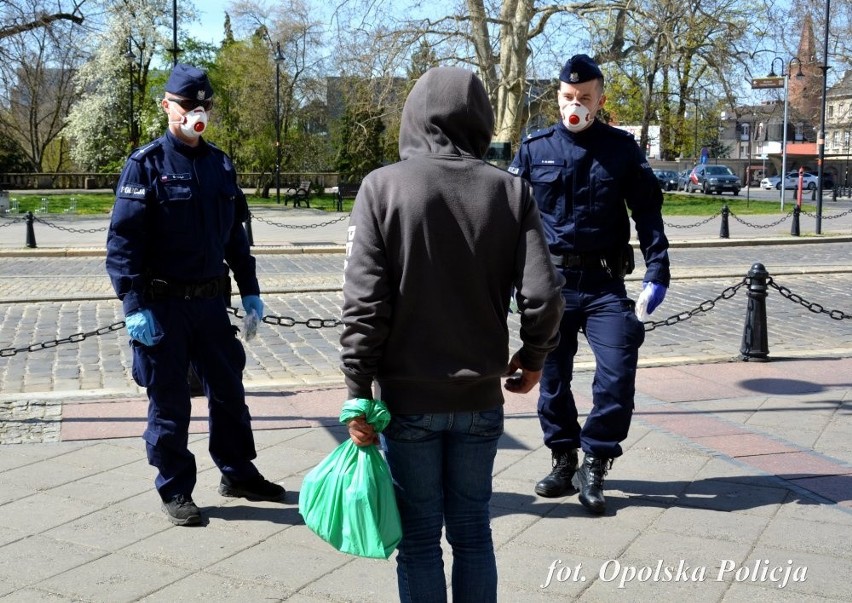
<point>66,229</point>
<point>831,217</point>
<point>329,323</point>
<point>813,307</point>
<point>704,306</point>
<point>75,338</point>
<point>298,226</point>
<point>750,225</point>
<point>12,221</point>
<point>287,321</point>
<point>702,222</point>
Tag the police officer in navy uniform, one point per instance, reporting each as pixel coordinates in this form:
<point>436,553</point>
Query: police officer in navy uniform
<point>586,177</point>
<point>175,232</point>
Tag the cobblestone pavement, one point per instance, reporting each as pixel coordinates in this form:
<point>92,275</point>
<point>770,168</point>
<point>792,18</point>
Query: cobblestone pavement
<point>76,299</point>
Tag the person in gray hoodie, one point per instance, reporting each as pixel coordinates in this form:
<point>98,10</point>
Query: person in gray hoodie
<point>436,244</point>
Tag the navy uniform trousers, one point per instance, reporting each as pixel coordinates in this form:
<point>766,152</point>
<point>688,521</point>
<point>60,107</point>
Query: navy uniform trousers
<point>598,305</point>
<point>199,331</point>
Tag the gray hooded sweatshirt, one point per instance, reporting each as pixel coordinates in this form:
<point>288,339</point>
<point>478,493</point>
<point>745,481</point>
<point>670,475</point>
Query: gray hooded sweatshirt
<point>436,243</point>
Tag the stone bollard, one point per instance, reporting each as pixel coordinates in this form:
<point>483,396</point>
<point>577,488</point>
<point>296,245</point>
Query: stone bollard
<point>31,242</point>
<point>249,233</point>
<point>755,345</point>
<point>794,227</point>
<point>723,230</point>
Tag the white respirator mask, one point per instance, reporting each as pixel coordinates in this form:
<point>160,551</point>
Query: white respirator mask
<point>576,117</point>
<point>192,123</point>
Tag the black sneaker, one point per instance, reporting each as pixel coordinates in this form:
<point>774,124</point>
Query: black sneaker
<point>182,511</point>
<point>255,488</point>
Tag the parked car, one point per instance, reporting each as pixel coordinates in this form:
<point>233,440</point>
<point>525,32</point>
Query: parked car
<point>667,179</point>
<point>683,179</point>
<point>713,179</point>
<point>791,181</point>
<point>770,182</point>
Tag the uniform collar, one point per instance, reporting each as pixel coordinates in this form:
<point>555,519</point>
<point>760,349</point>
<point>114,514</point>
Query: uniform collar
<point>184,149</point>
<point>583,135</point>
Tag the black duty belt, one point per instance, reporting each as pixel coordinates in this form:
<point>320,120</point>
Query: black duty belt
<point>159,288</point>
<point>577,261</point>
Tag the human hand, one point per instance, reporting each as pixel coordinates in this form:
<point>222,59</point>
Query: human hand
<point>525,382</point>
<point>252,303</point>
<point>651,297</point>
<point>142,327</point>
<point>361,432</point>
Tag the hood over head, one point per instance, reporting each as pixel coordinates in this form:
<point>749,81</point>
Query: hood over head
<point>447,112</point>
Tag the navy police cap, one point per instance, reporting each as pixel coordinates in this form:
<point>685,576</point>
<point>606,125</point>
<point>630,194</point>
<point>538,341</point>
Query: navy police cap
<point>580,68</point>
<point>190,82</point>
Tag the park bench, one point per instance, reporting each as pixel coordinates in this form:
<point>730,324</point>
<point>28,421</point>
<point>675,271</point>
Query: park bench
<point>299,194</point>
<point>346,190</point>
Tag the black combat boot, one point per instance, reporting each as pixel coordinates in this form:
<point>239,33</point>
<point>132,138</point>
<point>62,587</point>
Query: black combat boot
<point>589,480</point>
<point>558,483</point>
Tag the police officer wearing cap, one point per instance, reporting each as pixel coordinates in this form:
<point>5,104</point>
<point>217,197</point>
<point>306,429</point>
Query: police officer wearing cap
<point>586,177</point>
<point>176,231</point>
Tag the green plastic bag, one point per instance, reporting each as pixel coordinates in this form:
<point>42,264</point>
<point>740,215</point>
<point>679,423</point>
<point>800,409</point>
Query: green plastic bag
<point>348,499</point>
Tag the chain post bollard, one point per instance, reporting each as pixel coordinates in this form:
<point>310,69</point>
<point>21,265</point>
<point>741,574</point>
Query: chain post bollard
<point>834,194</point>
<point>723,230</point>
<point>339,200</point>
<point>755,345</point>
<point>249,234</point>
<point>794,226</point>
<point>31,242</point>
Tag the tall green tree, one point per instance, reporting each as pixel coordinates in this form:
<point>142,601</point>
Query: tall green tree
<point>133,39</point>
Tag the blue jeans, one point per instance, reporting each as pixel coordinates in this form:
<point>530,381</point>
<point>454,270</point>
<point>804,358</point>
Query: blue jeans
<point>441,466</point>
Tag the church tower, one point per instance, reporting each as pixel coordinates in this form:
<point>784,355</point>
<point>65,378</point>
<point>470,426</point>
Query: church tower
<point>805,94</point>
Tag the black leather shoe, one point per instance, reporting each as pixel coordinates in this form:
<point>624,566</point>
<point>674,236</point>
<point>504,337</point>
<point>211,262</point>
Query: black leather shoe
<point>558,482</point>
<point>589,480</point>
<point>182,511</point>
<point>255,488</point>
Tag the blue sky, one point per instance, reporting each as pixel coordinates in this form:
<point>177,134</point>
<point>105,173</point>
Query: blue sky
<point>212,16</point>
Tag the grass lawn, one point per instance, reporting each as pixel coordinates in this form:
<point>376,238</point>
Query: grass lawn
<point>101,203</point>
<point>676,204</point>
<point>694,204</point>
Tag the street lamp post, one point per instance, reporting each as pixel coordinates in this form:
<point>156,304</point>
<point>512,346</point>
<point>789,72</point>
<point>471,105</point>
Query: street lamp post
<point>279,58</point>
<point>130,58</point>
<point>786,76</point>
<point>696,100</point>
<point>821,135</point>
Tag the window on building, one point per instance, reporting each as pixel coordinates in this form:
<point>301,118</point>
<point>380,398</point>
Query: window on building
<point>831,110</point>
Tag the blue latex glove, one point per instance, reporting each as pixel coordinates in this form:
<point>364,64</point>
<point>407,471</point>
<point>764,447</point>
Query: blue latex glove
<point>252,303</point>
<point>142,327</point>
<point>651,297</point>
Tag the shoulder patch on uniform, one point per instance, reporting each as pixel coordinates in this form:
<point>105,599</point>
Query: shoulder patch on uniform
<point>539,134</point>
<point>132,190</point>
<point>513,170</point>
<point>140,153</point>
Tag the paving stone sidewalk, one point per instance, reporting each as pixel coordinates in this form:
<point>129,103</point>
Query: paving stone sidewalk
<point>735,486</point>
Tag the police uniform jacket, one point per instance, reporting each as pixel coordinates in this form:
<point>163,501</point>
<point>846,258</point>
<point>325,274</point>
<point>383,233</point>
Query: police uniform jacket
<point>585,183</point>
<point>178,216</point>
